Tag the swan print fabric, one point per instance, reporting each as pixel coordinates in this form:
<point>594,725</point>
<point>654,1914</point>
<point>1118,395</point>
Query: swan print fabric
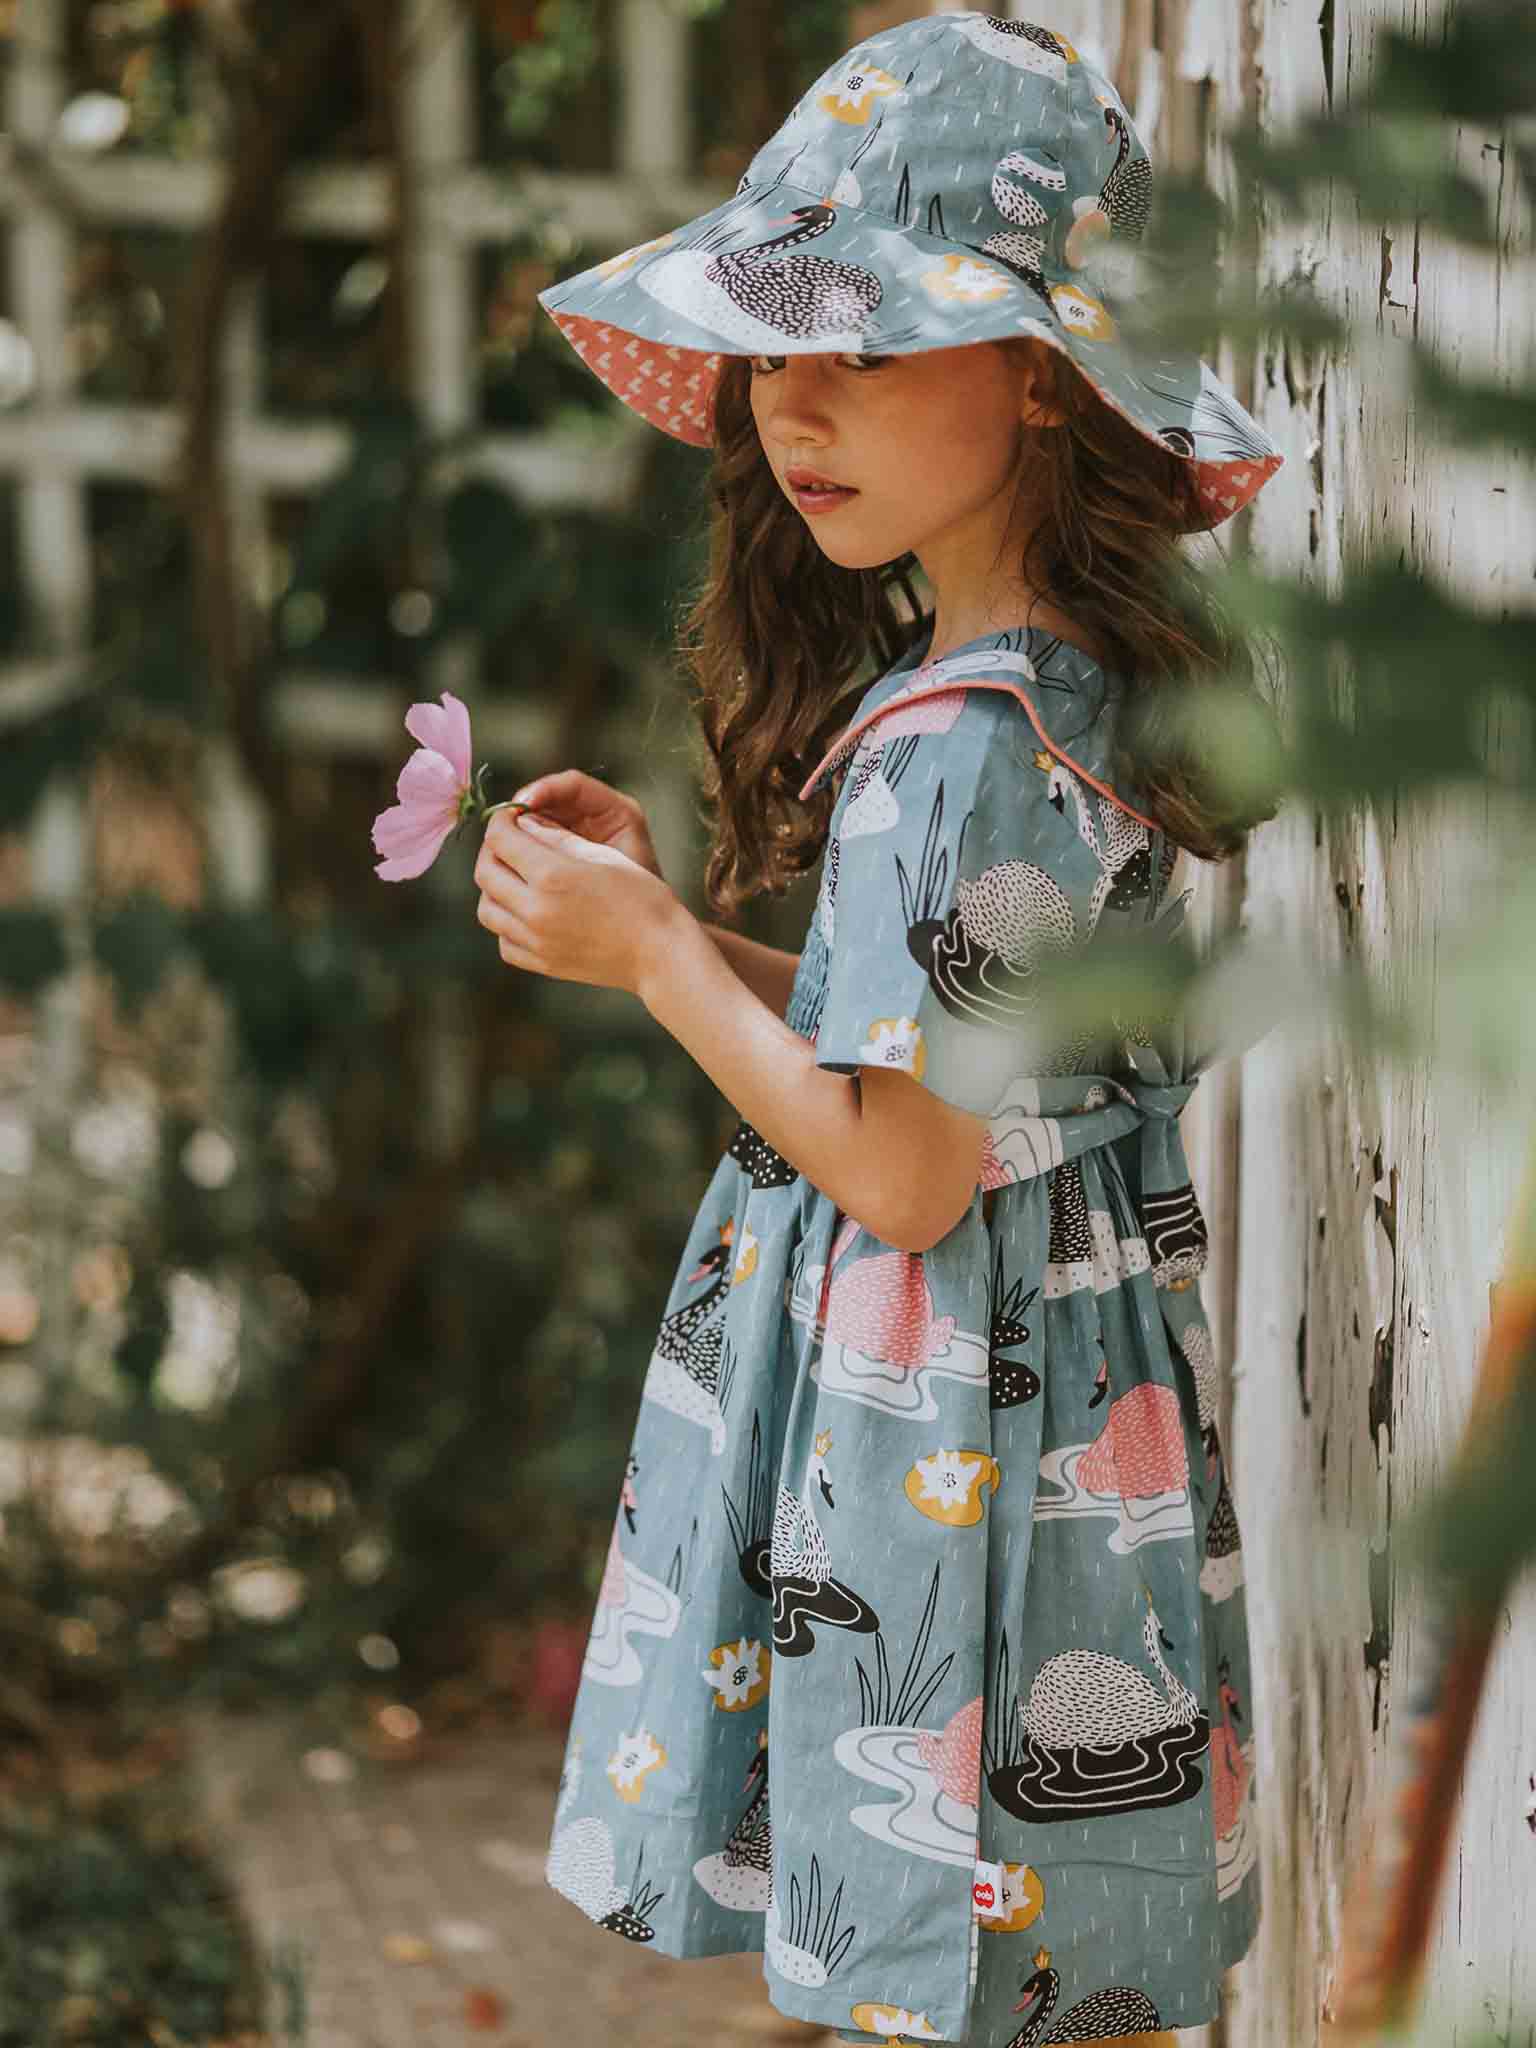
<point>955,178</point>
<point>920,1660</point>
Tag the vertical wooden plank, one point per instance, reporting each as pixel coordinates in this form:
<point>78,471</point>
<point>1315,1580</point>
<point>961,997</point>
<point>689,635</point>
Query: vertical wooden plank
<point>437,112</point>
<point>54,545</point>
<point>655,133</point>
<point>1375,1196</point>
<point>54,559</point>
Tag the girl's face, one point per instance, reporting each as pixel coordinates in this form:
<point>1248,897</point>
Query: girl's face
<point>928,442</point>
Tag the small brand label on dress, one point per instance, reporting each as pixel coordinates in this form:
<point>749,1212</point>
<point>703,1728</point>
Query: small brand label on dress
<point>987,1890</point>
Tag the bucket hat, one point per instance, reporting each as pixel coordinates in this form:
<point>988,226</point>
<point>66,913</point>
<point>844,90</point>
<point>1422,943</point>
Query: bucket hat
<point>956,178</point>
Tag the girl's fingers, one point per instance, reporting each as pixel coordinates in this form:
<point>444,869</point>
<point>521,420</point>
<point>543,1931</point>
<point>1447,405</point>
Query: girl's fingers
<point>497,918</point>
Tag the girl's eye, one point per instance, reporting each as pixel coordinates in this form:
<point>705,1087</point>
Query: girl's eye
<point>863,362</point>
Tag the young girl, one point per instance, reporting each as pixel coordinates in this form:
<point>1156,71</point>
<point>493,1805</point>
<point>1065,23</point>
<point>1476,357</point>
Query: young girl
<point>919,1661</point>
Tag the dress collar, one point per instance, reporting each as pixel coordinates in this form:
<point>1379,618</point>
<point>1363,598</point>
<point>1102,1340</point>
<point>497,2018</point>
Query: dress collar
<point>1062,689</point>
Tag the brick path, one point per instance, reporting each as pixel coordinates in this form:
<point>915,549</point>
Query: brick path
<point>415,1894</point>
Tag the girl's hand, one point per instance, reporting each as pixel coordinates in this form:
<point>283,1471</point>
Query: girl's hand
<point>564,906</point>
<point>583,804</point>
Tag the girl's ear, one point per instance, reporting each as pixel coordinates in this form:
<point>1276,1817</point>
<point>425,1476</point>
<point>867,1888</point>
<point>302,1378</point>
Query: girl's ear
<point>1034,366</point>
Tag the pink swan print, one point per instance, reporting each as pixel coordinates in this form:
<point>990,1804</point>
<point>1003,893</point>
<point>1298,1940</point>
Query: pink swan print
<point>629,1602</point>
<point>1135,1472</point>
<point>881,1341</point>
<point>1231,1780</point>
<point>954,1757</point>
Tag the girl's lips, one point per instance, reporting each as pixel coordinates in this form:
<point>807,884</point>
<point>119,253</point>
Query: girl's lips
<point>813,500</point>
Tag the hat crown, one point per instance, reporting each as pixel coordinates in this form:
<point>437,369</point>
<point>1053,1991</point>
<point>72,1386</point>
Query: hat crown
<point>972,129</point>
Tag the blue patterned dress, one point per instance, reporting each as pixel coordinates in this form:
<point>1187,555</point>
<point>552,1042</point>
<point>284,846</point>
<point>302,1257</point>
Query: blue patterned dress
<point>920,1661</point>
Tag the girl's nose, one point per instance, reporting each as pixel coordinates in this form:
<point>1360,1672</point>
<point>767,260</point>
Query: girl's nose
<point>797,404</point>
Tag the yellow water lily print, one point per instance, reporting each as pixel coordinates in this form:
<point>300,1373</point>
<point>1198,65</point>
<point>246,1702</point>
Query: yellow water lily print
<point>895,1042</point>
<point>857,93</point>
<point>964,281</point>
<point>1087,317</point>
<point>948,1486</point>
<point>739,1674</point>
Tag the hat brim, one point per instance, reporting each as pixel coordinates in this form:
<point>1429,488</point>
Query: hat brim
<point>746,278</point>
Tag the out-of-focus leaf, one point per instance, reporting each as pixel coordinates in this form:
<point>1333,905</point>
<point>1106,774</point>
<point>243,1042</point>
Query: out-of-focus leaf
<point>364,499</point>
<point>1397,166</point>
<point>498,558</point>
<point>1471,411</point>
<point>31,950</point>
<point>1479,65</point>
<point>136,944</point>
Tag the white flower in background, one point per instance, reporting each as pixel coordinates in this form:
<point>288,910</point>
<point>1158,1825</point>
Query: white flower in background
<point>118,1136</point>
<point>200,1364</point>
<point>366,1560</point>
<point>260,1589</point>
<point>208,1159</point>
<point>93,120</point>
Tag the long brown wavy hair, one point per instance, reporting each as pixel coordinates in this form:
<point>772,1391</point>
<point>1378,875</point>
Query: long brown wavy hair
<point>779,639</point>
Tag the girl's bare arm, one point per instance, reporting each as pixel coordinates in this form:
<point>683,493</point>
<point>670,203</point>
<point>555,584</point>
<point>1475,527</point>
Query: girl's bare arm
<point>885,1149</point>
<point>767,970</point>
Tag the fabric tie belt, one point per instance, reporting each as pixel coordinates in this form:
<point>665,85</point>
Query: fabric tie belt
<point>1042,1121</point>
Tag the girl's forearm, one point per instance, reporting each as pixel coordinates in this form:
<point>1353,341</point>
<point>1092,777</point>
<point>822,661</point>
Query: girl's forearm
<point>809,1115</point>
<point>767,970</point>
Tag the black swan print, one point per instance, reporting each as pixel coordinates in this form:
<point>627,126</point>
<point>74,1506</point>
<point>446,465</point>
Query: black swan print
<point>740,1875</point>
<point>1099,1737</point>
<point>1022,44</point>
<point>757,296</point>
<point>1011,1381</point>
<point>1101,2016</point>
<point>800,1566</point>
<point>684,1373</point>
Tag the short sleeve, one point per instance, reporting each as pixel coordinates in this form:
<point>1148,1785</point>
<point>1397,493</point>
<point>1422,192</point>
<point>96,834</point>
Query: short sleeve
<point>963,856</point>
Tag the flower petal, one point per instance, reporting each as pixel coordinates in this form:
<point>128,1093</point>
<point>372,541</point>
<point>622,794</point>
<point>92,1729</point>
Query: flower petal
<point>411,840</point>
<point>445,729</point>
<point>427,779</point>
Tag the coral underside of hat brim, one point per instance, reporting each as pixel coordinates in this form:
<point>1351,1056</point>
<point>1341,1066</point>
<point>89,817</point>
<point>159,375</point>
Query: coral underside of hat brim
<point>673,387</point>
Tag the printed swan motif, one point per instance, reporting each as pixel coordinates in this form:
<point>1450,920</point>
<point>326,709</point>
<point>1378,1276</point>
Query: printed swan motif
<point>799,1550</point>
<point>883,1304</point>
<point>684,1372</point>
<point>800,1567</point>
<point>1084,1696</point>
<point>1100,1738</point>
<point>740,1875</point>
<point>753,297</point>
<point>1101,2016</point>
<point>954,1757</point>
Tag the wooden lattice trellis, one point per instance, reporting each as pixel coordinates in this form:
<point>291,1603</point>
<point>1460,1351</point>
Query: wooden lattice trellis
<point>55,446</point>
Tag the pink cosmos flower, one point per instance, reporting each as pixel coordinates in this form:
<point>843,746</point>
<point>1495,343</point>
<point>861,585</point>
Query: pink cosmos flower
<point>436,789</point>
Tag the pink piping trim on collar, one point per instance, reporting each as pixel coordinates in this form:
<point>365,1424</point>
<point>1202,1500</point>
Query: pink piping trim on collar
<point>975,683</point>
